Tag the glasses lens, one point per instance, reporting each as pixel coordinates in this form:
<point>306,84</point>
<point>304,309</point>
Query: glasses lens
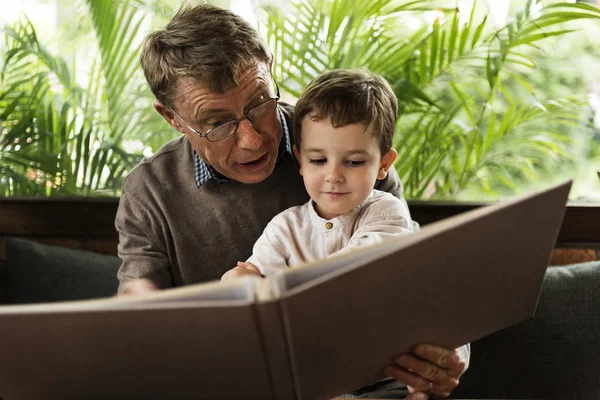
<point>262,110</point>
<point>221,131</point>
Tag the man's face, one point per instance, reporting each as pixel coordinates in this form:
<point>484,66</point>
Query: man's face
<point>247,156</point>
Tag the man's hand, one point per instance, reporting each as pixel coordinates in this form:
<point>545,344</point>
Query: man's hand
<point>242,269</point>
<point>138,286</point>
<point>428,370</point>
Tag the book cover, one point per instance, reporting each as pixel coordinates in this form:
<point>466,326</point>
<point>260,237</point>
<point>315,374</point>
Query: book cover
<point>312,332</point>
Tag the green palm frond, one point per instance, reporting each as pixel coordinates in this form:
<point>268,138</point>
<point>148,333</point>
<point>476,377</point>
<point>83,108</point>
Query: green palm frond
<point>74,136</point>
<point>462,122</point>
<point>459,120</point>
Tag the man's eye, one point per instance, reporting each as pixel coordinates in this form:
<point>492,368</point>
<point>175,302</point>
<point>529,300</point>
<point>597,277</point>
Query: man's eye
<point>355,163</point>
<point>318,161</point>
<point>256,101</point>
<point>211,124</point>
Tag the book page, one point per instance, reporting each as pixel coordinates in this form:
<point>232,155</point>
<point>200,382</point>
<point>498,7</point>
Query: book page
<point>298,278</point>
<point>211,294</point>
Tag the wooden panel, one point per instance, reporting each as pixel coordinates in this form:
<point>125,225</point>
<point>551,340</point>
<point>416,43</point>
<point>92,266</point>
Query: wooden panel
<point>580,228</point>
<point>77,217</point>
<point>78,223</point>
<point>88,223</point>
<point>564,256</point>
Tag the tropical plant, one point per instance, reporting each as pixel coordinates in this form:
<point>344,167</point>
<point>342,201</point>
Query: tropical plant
<point>60,137</point>
<point>460,126</point>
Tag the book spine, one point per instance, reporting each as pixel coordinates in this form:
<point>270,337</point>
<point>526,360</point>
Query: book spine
<point>275,349</point>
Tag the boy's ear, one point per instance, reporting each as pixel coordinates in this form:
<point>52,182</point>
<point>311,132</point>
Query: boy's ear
<point>386,163</point>
<point>168,115</point>
<point>297,154</point>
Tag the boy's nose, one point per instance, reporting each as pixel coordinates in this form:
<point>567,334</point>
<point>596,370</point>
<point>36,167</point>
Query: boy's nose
<point>334,175</point>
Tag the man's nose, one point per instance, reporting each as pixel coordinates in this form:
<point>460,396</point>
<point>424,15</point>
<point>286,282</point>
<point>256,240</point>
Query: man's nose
<point>247,137</point>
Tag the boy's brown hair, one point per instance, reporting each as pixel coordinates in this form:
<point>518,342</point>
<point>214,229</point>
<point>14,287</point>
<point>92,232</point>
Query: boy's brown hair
<point>205,43</point>
<point>349,97</point>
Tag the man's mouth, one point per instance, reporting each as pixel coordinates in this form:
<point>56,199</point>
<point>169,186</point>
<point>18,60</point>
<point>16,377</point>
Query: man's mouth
<point>255,165</point>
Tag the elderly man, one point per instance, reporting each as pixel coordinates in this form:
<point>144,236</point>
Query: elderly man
<point>191,211</point>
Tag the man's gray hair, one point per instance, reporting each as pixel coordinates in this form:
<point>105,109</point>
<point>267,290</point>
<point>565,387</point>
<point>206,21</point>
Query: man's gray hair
<point>202,42</point>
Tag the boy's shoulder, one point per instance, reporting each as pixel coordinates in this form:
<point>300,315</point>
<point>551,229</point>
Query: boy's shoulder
<point>382,204</point>
<point>385,206</point>
<point>382,199</point>
<point>291,218</point>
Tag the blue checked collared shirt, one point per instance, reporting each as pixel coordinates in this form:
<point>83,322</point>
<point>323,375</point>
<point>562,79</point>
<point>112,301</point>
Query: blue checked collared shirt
<point>204,172</point>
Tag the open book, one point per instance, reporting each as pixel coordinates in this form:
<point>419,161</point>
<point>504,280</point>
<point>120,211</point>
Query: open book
<point>312,332</point>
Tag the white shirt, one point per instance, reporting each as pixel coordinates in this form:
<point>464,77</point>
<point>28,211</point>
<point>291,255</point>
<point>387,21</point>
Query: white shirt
<point>298,235</point>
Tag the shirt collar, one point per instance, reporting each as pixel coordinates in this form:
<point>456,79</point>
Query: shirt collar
<point>204,172</point>
<point>340,221</point>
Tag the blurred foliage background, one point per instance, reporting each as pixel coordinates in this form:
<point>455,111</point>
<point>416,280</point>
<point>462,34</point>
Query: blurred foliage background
<point>493,102</point>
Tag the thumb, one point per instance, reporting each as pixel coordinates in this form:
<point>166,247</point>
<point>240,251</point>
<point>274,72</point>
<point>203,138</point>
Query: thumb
<point>417,396</point>
<point>248,266</point>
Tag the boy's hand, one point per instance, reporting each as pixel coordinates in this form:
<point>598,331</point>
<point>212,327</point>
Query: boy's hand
<point>242,269</point>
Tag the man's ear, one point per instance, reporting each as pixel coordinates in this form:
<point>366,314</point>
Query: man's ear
<point>297,154</point>
<point>168,115</point>
<point>386,163</point>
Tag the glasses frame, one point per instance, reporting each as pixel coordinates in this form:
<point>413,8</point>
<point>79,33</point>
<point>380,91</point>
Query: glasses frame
<point>237,121</point>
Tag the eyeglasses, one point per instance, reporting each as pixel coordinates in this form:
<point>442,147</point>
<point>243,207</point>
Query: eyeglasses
<point>226,129</point>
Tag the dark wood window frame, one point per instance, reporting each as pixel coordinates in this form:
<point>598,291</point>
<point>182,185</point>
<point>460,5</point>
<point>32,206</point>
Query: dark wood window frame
<point>88,223</point>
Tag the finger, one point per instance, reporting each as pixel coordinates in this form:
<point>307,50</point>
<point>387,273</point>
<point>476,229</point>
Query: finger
<point>418,396</point>
<point>137,287</point>
<point>407,377</point>
<point>229,275</point>
<point>445,358</point>
<point>243,271</point>
<point>247,265</point>
<point>433,391</point>
<point>417,383</point>
<point>444,382</point>
<point>426,369</point>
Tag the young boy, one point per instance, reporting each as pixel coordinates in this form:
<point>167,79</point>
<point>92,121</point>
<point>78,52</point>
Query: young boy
<point>344,124</point>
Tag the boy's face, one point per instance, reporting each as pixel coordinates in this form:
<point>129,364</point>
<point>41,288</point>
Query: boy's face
<point>340,165</point>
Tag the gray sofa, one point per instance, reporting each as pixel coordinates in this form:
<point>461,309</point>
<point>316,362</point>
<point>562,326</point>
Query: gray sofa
<point>555,355</point>
<point>34,273</point>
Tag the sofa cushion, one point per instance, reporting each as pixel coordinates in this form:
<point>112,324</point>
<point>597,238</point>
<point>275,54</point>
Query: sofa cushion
<point>33,272</point>
<point>554,355</point>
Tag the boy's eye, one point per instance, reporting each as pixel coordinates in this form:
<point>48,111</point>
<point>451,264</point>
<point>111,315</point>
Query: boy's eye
<point>355,163</point>
<point>318,161</point>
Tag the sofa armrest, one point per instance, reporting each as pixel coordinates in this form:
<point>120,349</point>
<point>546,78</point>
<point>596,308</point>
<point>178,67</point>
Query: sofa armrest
<point>34,273</point>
